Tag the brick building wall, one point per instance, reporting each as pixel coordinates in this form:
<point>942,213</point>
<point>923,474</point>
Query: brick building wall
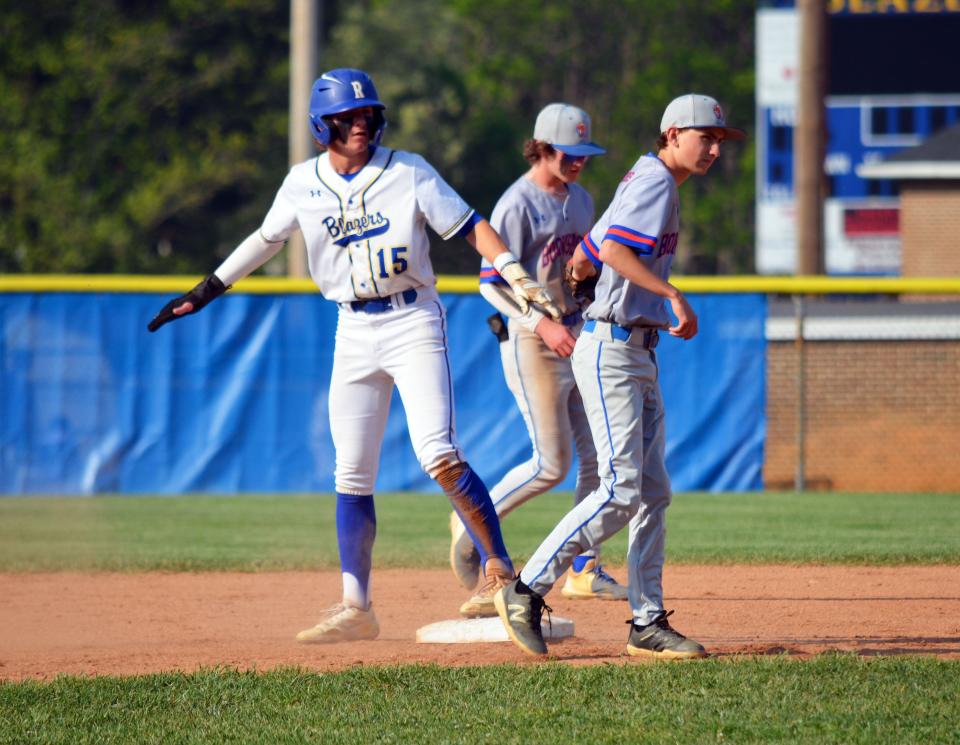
<point>881,415</point>
<point>930,228</point>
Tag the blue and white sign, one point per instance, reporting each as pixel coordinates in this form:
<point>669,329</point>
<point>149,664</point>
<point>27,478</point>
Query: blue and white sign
<point>861,216</point>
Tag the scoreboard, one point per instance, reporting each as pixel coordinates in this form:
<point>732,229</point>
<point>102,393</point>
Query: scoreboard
<point>890,85</point>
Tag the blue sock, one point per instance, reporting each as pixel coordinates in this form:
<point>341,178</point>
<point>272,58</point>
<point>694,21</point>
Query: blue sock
<point>472,502</point>
<point>581,561</point>
<point>356,531</point>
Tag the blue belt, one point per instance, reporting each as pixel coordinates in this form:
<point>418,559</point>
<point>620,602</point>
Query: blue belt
<point>651,337</point>
<point>382,304</point>
<point>572,319</point>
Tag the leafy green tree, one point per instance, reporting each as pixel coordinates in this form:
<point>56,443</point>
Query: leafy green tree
<point>138,137</point>
<point>151,137</point>
<point>470,76</point>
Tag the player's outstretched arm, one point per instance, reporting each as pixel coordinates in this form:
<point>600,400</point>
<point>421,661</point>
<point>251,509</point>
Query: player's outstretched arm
<point>489,245</point>
<point>209,289</point>
<point>254,251</point>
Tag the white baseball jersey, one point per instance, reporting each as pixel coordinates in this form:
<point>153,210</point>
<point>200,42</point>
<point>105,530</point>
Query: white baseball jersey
<point>365,235</point>
<point>366,238</point>
<point>368,251</point>
<point>645,216</point>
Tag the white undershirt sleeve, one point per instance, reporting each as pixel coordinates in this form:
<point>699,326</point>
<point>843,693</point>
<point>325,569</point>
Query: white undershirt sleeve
<point>253,252</point>
<point>501,297</point>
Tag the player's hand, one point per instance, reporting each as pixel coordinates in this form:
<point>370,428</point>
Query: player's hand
<point>556,336</point>
<point>209,289</point>
<point>582,288</point>
<point>526,290</point>
<point>686,326</point>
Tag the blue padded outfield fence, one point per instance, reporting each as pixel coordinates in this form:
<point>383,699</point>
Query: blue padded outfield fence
<point>234,399</point>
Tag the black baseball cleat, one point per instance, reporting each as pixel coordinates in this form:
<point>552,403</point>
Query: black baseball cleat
<point>659,640</point>
<point>521,609</point>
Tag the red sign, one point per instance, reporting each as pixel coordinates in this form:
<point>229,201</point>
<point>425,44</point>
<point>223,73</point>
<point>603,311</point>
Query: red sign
<point>871,221</point>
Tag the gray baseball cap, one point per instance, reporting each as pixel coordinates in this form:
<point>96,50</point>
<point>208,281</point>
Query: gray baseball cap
<point>697,110</point>
<point>567,128</point>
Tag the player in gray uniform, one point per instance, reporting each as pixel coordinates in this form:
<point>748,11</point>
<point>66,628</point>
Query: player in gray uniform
<point>617,373</point>
<point>542,217</point>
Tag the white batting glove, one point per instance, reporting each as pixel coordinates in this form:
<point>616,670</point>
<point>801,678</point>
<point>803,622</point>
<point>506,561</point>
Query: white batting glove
<point>525,289</point>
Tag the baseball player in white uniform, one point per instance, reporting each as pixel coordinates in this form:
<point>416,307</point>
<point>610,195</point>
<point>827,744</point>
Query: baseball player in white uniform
<point>616,370</point>
<point>363,209</point>
<point>542,217</point>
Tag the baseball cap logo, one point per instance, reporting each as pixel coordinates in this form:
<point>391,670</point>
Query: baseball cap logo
<point>567,128</point>
<point>718,112</point>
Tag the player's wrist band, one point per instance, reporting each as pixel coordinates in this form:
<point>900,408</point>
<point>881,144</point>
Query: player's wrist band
<point>503,260</point>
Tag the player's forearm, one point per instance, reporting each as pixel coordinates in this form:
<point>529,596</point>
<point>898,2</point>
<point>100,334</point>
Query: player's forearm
<point>487,241</point>
<point>581,264</point>
<point>253,252</point>
<point>623,261</point>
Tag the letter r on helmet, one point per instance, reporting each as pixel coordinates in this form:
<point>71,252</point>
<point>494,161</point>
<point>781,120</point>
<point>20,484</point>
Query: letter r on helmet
<point>357,89</point>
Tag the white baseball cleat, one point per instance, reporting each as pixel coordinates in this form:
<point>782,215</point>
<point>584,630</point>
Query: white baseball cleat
<point>481,604</point>
<point>592,582</point>
<point>342,623</point>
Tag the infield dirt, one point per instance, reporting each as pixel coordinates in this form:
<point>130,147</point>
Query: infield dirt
<point>130,624</point>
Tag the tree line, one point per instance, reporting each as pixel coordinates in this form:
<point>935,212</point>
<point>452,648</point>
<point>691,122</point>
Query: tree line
<point>141,137</point>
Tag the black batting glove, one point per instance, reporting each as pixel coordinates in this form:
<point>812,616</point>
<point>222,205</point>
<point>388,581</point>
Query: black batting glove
<point>209,289</point>
<point>499,327</point>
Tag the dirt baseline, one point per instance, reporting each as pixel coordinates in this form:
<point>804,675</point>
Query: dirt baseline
<point>129,624</point>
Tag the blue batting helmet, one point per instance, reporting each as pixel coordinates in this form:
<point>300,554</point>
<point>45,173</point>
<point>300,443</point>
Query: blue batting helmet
<point>341,90</point>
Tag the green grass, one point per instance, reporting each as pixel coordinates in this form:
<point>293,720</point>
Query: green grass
<point>251,533</point>
<point>830,699</point>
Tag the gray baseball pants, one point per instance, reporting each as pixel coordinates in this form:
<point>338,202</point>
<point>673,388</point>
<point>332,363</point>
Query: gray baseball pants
<point>618,382</point>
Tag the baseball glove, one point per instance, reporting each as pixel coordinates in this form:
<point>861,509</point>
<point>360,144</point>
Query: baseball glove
<point>582,289</point>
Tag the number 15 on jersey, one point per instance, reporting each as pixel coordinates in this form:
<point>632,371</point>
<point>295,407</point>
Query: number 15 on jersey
<point>392,261</point>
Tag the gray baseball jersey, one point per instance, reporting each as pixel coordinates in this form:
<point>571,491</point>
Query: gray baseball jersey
<point>542,232</point>
<point>617,375</point>
<point>644,216</point>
